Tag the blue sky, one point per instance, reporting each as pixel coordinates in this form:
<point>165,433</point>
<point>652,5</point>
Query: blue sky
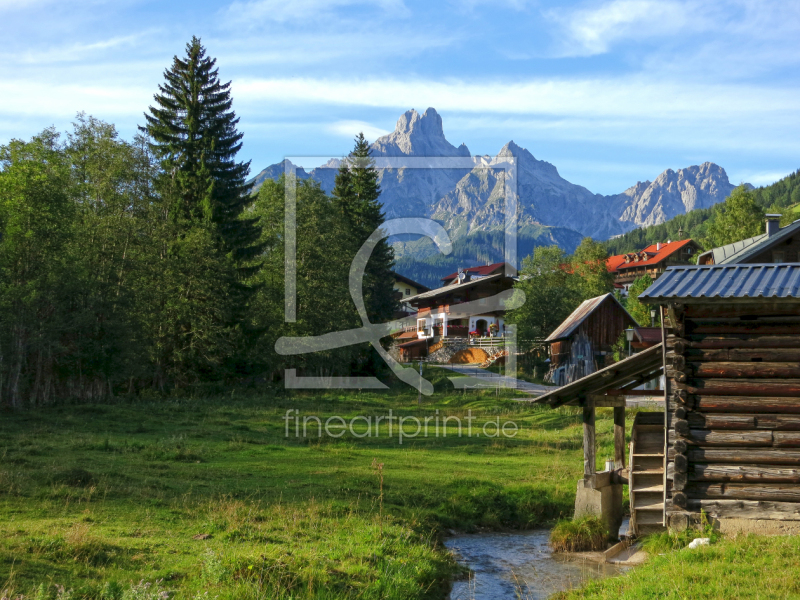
<point>611,92</point>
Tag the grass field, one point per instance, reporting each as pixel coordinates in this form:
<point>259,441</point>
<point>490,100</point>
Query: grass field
<point>747,567</point>
<point>210,498</point>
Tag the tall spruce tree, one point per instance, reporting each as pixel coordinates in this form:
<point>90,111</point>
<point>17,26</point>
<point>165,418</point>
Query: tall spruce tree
<point>356,195</point>
<point>193,129</point>
<point>210,244</point>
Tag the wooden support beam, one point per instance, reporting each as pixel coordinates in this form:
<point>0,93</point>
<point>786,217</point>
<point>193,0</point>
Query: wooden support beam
<point>619,437</point>
<point>589,460</point>
<point>623,392</point>
<point>601,401</point>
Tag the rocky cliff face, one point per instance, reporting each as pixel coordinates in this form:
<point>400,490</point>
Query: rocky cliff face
<point>673,193</point>
<point>473,199</point>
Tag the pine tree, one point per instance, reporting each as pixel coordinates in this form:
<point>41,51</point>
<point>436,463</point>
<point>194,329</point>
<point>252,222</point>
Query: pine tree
<point>200,293</point>
<point>193,129</point>
<point>356,194</point>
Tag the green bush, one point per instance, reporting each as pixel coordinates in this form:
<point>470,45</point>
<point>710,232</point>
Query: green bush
<point>585,534</point>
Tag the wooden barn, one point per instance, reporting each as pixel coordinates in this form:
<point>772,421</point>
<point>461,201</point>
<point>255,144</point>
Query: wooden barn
<point>727,441</point>
<point>732,362</point>
<point>580,345</point>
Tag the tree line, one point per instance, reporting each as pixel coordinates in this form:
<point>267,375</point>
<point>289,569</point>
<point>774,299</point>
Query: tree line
<point>147,266</point>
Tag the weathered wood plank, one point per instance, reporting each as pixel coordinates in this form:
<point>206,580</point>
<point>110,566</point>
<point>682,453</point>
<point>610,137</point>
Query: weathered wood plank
<point>741,355</point>
<point>750,456</point>
<point>742,327</point>
<point>619,437</point>
<point>741,341</point>
<point>589,461</point>
<point>745,473</point>
<point>764,308</point>
<point>776,492</point>
<point>739,404</point>
<point>735,370</point>
<point>705,437</point>
<point>747,509</point>
<point>786,439</point>
<point>738,387</point>
<point>698,420</point>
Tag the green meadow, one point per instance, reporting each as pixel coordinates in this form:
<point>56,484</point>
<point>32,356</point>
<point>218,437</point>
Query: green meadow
<point>209,498</point>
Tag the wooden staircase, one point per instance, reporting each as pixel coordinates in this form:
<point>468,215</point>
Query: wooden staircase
<point>646,474</point>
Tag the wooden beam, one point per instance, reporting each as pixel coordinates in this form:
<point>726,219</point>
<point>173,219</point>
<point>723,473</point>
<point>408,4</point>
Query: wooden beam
<point>620,392</point>
<point>777,492</point>
<point>751,370</point>
<point>704,437</point>
<point>589,460</point>
<point>745,473</point>
<point>732,340</point>
<point>743,387</point>
<point>763,456</point>
<point>747,509</point>
<point>619,437</point>
<point>753,404</point>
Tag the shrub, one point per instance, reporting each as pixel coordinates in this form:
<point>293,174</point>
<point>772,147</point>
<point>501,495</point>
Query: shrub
<point>585,534</point>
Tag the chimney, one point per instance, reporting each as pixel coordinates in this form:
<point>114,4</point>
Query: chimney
<point>773,224</point>
<point>658,247</point>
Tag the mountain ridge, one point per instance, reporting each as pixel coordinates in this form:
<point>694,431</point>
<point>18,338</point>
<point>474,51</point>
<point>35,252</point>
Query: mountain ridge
<point>471,200</point>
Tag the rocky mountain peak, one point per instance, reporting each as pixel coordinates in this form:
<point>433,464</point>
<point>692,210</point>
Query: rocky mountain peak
<point>417,135</point>
<point>428,123</point>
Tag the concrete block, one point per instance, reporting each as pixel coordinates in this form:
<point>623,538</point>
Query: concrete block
<point>604,502</point>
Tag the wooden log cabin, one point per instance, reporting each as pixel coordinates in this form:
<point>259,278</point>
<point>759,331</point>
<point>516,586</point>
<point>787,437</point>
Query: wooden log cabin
<point>732,361</point>
<point>727,441</point>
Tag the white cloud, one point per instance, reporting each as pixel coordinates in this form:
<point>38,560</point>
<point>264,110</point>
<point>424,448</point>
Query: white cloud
<point>628,97</point>
<point>349,129</point>
<point>589,31</point>
<point>253,12</point>
<point>73,52</point>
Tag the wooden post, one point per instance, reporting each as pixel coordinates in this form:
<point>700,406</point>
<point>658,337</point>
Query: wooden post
<point>589,461</point>
<point>619,437</point>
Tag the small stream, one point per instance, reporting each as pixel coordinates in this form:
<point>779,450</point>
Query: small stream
<point>517,566</point>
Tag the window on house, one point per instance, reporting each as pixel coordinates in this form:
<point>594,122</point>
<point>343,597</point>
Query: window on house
<point>408,291</point>
<point>778,256</point>
<point>482,301</point>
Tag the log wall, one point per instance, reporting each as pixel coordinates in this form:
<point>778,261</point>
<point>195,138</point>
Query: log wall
<point>733,376</point>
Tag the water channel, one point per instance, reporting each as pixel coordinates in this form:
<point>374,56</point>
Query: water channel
<point>518,566</point>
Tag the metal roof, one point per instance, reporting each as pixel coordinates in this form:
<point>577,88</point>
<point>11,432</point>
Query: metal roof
<point>728,252</point>
<point>579,315</point>
<point>778,281</point>
<point>761,244</point>
<point>625,374</point>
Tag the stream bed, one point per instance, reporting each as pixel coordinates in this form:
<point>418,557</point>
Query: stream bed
<point>516,566</point>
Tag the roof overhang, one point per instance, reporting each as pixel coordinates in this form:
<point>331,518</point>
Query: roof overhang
<point>628,373</point>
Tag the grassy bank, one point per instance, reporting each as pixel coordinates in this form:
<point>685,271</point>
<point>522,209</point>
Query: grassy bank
<point>746,567</point>
<point>211,496</point>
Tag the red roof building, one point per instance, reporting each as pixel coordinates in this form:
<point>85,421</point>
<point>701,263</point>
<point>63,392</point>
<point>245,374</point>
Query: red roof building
<point>484,271</point>
<point>652,261</point>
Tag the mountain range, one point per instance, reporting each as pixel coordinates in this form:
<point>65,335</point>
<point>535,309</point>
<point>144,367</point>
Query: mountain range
<point>469,202</point>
